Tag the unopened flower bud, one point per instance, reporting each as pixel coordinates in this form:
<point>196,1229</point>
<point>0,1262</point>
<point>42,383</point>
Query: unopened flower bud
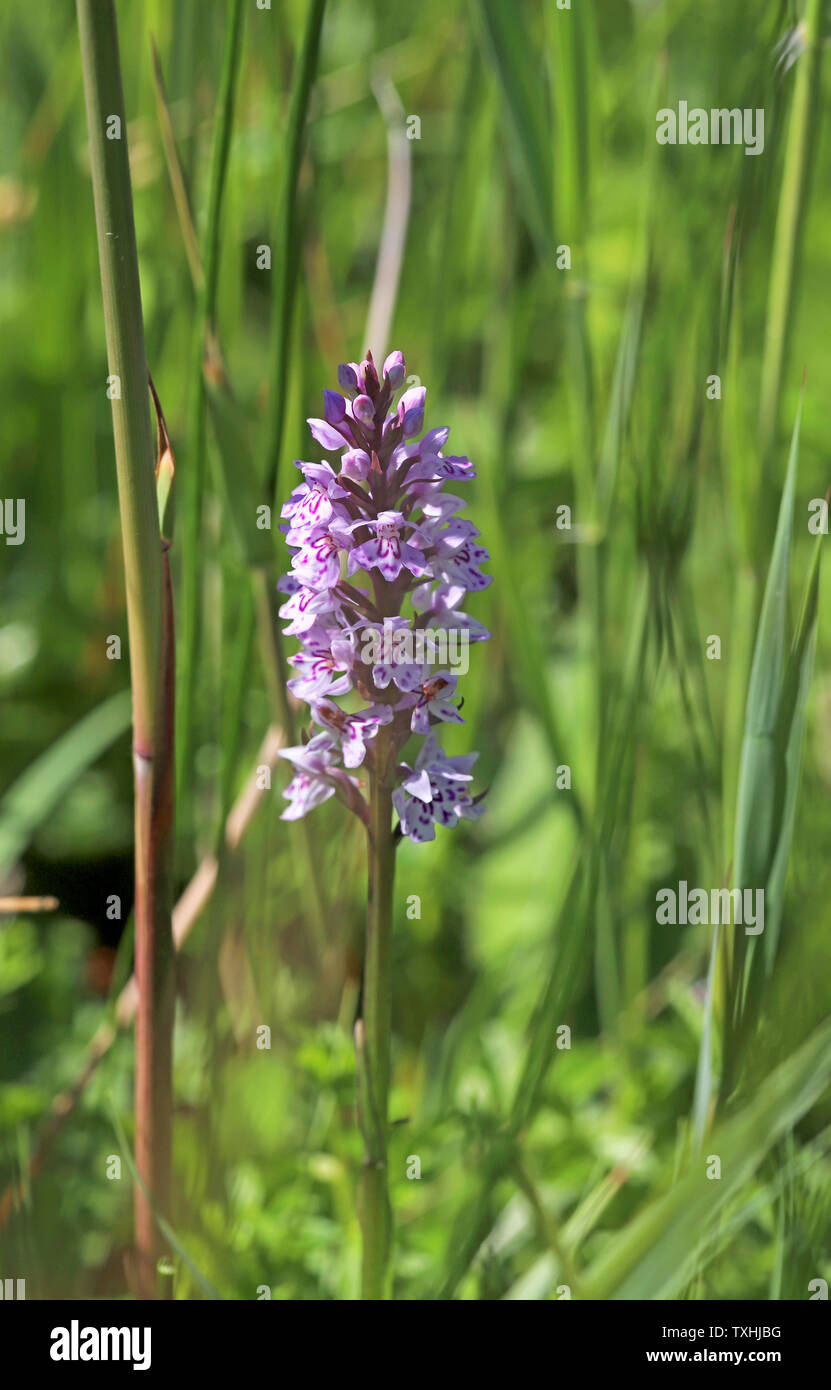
<point>355,464</point>
<point>363,410</point>
<point>370,375</point>
<point>334,407</point>
<point>348,378</point>
<point>411,411</point>
<point>395,370</point>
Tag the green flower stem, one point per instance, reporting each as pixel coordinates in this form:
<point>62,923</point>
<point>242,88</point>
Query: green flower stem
<point>376,1216</point>
<point>149,618</point>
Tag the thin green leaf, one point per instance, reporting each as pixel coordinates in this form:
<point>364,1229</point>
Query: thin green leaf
<point>34,796</point>
<point>650,1259</point>
<point>164,1226</point>
<point>515,59</point>
<point>789,738</point>
<point>242,493</point>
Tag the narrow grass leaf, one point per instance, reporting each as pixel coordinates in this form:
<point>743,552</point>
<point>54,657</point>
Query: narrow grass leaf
<point>241,491</point>
<point>30,801</point>
<point>515,60</point>
<point>650,1258</point>
<point>164,1226</point>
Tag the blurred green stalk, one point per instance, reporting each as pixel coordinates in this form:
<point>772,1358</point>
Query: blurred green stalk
<point>286,252</point>
<point>237,471</point>
<point>789,224</point>
<point>267,601</point>
<point>205,318</point>
<point>149,622</point>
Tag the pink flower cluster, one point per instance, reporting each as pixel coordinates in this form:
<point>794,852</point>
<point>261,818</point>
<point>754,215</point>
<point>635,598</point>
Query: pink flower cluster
<point>380,569</point>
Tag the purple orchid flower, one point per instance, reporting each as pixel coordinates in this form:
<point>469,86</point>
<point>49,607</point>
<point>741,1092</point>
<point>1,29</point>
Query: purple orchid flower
<point>434,698</point>
<point>305,607</point>
<point>312,504</point>
<point>317,563</point>
<point>387,550</point>
<point>381,565</point>
<point>317,778</point>
<point>434,792</point>
<point>351,730</point>
<point>442,605</point>
<point>322,656</point>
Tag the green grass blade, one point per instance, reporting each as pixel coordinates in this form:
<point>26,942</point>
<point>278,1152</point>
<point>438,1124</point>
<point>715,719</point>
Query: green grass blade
<point>769,653</point>
<point>194,472</point>
<point>286,252</point>
<point>805,118</point>
<point>789,738</point>
<point>164,1226</point>
<point>514,57</point>
<point>571,45</point>
<point>239,486</point>
<point>650,1258</point>
<point>704,1071</point>
<point>41,788</point>
<point>763,802</point>
<point>754,808</point>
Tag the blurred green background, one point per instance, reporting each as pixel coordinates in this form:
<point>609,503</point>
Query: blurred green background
<point>581,387</point>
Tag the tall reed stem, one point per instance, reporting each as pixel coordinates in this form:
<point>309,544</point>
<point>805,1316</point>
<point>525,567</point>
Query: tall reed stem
<point>376,1215</point>
<point>149,619</point>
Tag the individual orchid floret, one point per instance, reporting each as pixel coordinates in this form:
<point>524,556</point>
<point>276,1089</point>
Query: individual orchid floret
<point>434,792</point>
<point>317,564</point>
<point>387,550</point>
<point>441,605</point>
<point>325,664</point>
<point>305,607</point>
<point>434,698</point>
<point>312,502</point>
<point>386,648</point>
<point>436,468</point>
<point>329,436</point>
<point>318,776</point>
<point>351,730</point>
<point>458,557</point>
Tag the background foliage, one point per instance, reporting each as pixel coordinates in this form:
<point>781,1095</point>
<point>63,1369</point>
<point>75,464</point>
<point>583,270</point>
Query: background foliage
<point>541,1167</point>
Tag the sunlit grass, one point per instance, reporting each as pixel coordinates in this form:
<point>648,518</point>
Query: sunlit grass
<point>542,1165</point>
